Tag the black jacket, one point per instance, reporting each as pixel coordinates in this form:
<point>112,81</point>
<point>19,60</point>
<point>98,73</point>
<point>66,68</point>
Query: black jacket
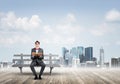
<point>40,50</point>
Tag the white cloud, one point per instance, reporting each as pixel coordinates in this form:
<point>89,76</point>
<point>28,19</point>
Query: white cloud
<point>69,26</point>
<point>14,39</point>
<point>100,30</point>
<point>64,32</point>
<point>113,15</point>
<point>103,29</point>
<point>10,21</point>
<point>70,18</point>
<point>118,43</point>
<point>47,29</point>
<point>10,25</point>
<point>107,27</point>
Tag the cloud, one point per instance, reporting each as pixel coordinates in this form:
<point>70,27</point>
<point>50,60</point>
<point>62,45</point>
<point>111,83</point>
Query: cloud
<point>113,16</point>
<point>100,30</point>
<point>59,40</point>
<point>10,21</point>
<point>69,26</point>
<point>70,18</point>
<point>47,29</point>
<point>12,25</point>
<point>118,43</point>
<point>14,39</point>
<point>107,27</point>
<point>63,32</point>
<point>66,31</point>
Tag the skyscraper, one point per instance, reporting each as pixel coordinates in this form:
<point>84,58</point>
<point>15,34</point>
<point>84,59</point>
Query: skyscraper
<point>80,53</point>
<point>64,51</point>
<point>73,52</point>
<point>68,59</point>
<point>101,57</point>
<point>88,53</point>
<point>75,56</point>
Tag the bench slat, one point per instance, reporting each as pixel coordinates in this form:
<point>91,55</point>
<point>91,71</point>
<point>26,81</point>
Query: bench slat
<point>28,65</point>
<point>27,55</point>
<point>31,60</point>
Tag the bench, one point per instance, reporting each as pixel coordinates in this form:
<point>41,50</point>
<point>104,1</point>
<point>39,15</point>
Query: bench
<point>24,60</point>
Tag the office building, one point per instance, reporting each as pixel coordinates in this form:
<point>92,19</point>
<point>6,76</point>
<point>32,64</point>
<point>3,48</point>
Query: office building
<point>101,57</point>
<point>88,53</point>
<point>114,62</point>
<point>64,51</point>
<point>80,53</point>
<point>73,52</point>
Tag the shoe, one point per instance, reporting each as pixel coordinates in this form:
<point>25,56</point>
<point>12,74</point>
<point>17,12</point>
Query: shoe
<point>35,77</point>
<point>40,77</point>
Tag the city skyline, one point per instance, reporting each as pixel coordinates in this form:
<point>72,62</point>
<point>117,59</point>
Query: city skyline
<point>77,56</point>
<point>59,23</point>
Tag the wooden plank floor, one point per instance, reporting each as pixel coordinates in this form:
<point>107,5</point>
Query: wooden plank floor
<point>61,76</point>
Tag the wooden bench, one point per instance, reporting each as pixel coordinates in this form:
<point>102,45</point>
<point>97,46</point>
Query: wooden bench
<point>24,60</point>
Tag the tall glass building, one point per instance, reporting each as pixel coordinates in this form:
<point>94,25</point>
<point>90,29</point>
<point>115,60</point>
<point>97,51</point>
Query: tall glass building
<point>65,55</point>
<point>101,57</point>
<point>68,59</point>
<point>88,53</point>
<point>73,52</point>
<point>80,53</point>
<point>64,51</point>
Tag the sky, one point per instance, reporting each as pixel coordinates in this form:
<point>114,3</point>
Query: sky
<point>57,24</point>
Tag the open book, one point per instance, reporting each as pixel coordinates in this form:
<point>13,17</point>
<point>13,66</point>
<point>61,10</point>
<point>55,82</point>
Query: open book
<point>37,54</point>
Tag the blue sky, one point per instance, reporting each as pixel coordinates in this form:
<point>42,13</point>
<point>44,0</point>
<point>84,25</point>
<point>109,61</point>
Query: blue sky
<point>59,23</point>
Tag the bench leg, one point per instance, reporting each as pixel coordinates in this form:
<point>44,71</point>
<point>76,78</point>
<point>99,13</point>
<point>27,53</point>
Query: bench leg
<point>51,70</point>
<point>20,69</point>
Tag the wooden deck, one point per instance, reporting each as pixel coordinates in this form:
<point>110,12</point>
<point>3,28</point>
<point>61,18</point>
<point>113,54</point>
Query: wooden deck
<point>61,76</point>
